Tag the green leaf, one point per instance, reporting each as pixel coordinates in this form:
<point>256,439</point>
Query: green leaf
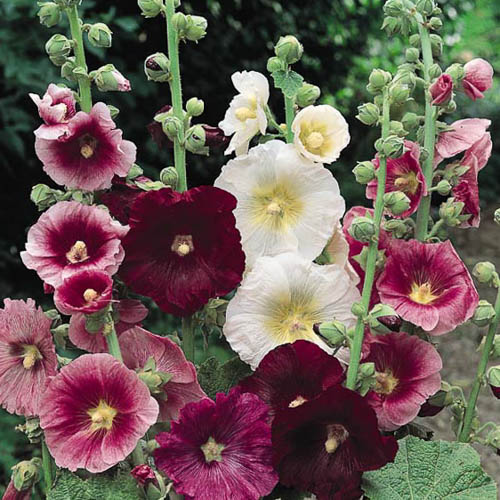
<point>288,81</point>
<point>67,487</point>
<point>431,470</point>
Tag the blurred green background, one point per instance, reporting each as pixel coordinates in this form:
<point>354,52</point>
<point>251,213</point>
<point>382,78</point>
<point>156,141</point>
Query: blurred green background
<point>342,41</point>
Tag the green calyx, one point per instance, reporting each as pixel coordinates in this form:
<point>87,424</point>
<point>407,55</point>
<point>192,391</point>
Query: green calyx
<point>212,450</point>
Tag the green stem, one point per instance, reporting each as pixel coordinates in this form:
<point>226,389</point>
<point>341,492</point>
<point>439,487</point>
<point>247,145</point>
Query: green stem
<point>290,115</point>
<point>429,135</point>
<point>470,409</point>
<point>355,356</point>
<point>47,465</point>
<point>176,92</point>
<point>188,338</point>
<point>83,80</point>
<point>112,340</point>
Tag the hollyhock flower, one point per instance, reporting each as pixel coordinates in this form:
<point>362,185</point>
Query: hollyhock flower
<point>441,90</point>
<point>292,374</point>
<point>84,292</point>
<point>281,299</point>
<point>428,285</point>
<point>285,202</point>
<point>246,116</point>
<point>127,313</point>
<point>11,493</point>
<point>221,447</point>
<point>478,78</point>
<point>321,133</point>
<point>89,154</point>
<point>56,108</point>
<point>94,412</point>
<point>27,356</point>
<point>328,441</point>
<point>143,474</point>
<point>495,391</point>
<point>71,237</point>
<point>342,489</point>
<point>183,248</point>
<point>139,347</point>
<point>407,373</point>
<point>403,174</point>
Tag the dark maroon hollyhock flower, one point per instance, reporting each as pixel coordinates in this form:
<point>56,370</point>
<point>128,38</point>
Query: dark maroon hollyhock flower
<point>407,373</point>
<point>495,391</point>
<point>348,488</point>
<point>429,410</point>
<point>292,374</point>
<point>328,441</point>
<point>84,292</point>
<point>441,90</point>
<point>428,285</point>
<point>478,78</point>
<point>143,474</point>
<point>403,174</point>
<point>183,248</point>
<point>220,448</point>
<point>215,137</point>
<point>89,153</point>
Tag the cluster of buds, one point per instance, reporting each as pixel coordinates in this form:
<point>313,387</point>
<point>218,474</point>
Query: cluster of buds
<point>486,273</point>
<point>192,28</point>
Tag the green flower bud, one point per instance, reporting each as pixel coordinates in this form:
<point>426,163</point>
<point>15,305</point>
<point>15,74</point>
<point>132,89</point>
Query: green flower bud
<point>179,21</point>
<point>195,106</point>
<point>169,177</point>
<point>450,212</point>
<point>366,378</point>
<point>58,47</point>
<point>27,473</point>
<point>436,45</point>
<point>109,79</point>
<point>396,128</point>
<point>172,127</point>
<point>443,187</point>
<point>391,25</point>
<point>496,216</point>
<point>362,229</point>
<point>335,332</point>
<point>67,69</point>
<point>393,146</point>
<point>289,49</point>
<point>415,41</point>
<point>493,376</point>
<point>368,113</point>
<point>196,28</point>
<point>451,107</point>
<point>483,314</point>
<point>399,93</point>
<point>100,35</point>
<point>364,172</point>
<point>396,227</point>
<point>379,145</point>
<point>114,111</point>
<point>196,140</point>
<point>394,8</point>
<point>412,54</point>
<point>150,8</point>
<point>405,76</point>
<point>411,121</point>
<point>307,95</point>
<point>435,23</point>
<point>44,197</point>
<point>485,272</point>
<point>425,7</point>
<point>157,67</point>
<point>396,202</point>
<point>456,71</point>
<point>435,71</point>
<point>359,310</point>
<point>31,428</point>
<point>275,64</point>
<point>379,78</point>
<point>49,14</point>
<point>495,350</point>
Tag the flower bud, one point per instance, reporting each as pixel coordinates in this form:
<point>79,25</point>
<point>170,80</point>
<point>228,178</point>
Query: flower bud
<point>49,14</point>
<point>412,54</point>
<point>289,49</point>
<point>307,95</point>
<point>443,187</point>
<point>415,41</point>
<point>483,314</point>
<point>411,121</point>
<point>215,137</point>
<point>150,8</point>
<point>196,28</point>
<point>496,216</point>
<point>396,128</point>
<point>109,79</point>
<point>456,71</point>
<point>58,47</point>
<point>169,177</point>
<point>359,310</point>
<point>394,8</point>
<point>405,76</point>
<point>399,93</point>
<point>157,67</point>
<point>425,7</point>
<point>495,349</point>
<point>362,229</point>
<point>379,78</point>
<point>195,106</point>
<point>335,332</point>
<point>435,71</point>
<point>196,140</point>
<point>275,64</point>
<point>27,473</point>
<point>450,212</point>
<point>179,21</point>
<point>396,202</point>
<point>484,272</point>
<point>172,127</point>
<point>393,146</point>
<point>396,227</point>
<point>31,429</point>
<point>391,25</point>
<point>364,172</point>
<point>44,197</point>
<point>436,45</point>
<point>100,35</point>
<point>67,69</point>
<point>441,90</point>
<point>143,474</point>
<point>366,378</point>
<point>493,377</point>
<point>435,23</point>
<point>368,113</point>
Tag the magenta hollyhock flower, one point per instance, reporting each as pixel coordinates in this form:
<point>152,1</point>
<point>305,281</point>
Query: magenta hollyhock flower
<point>56,108</point>
<point>94,412</point>
<point>403,174</point>
<point>407,373</point>
<point>441,90</point>
<point>84,292</point>
<point>428,285</point>
<point>478,78</point>
<point>89,154</point>
<point>71,237</point>
<point>143,474</point>
<point>11,493</point>
<point>140,346</point>
<point>327,442</point>
<point>292,374</point>
<point>27,356</point>
<point>183,248</point>
<point>220,448</point>
<point>127,313</point>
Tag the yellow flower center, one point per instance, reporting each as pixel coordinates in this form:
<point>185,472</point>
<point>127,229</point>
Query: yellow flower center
<point>30,355</point>
<point>386,382</point>
<point>337,434</point>
<point>408,183</point>
<point>88,146</point>
<point>243,114</point>
<point>182,245</point>
<point>299,400</point>
<point>274,209</point>
<point>314,140</point>
<point>422,294</point>
<point>212,450</point>
<point>77,253</point>
<point>314,136</point>
<point>90,294</point>
<point>102,416</point>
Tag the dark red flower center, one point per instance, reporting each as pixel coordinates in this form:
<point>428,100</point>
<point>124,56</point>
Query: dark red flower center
<point>212,450</point>
<point>336,435</point>
<point>88,145</point>
<point>386,382</point>
<point>182,245</point>
<point>77,253</point>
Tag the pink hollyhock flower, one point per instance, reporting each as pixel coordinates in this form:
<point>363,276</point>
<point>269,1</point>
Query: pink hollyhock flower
<point>407,373</point>
<point>94,412</point>
<point>84,292</point>
<point>56,108</point>
<point>324,444</point>
<point>71,237</point>
<point>292,374</point>
<point>27,356</point>
<point>139,347</point>
<point>143,474</point>
<point>221,447</point>
<point>403,174</point>
<point>183,248</point>
<point>478,78</point>
<point>89,154</point>
<point>11,493</point>
<point>127,313</point>
<point>441,90</point>
<point>428,285</point>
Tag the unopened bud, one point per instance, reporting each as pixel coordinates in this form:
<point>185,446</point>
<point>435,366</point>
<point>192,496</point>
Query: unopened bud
<point>58,47</point>
<point>396,227</point>
<point>359,310</point>
<point>195,106</point>
<point>172,127</point>
<point>67,69</point>
<point>275,64</point>
<point>425,7</point>
<point>396,128</point>
<point>457,72</point>
<point>150,8</point>
<point>109,79</point>
<point>100,35</point>
<point>49,14</point>
<point>399,93</point>
<point>451,107</point>
<point>443,187</point>
<point>307,95</point>
<point>411,121</point>
<point>415,41</point>
<point>27,473</point>
<point>44,197</point>
<point>169,177</point>
<point>31,428</point>
<point>394,8</point>
<point>435,71</point>
<point>483,314</point>
<point>196,28</point>
<point>493,377</point>
<point>435,23</point>
<point>366,378</point>
<point>412,54</point>
<point>379,78</point>
<point>196,141</point>
<point>335,332</point>
<point>289,49</point>
<point>450,212</point>
<point>157,67</point>
<point>393,146</point>
<point>362,229</point>
<point>368,113</point>
<point>364,172</point>
<point>179,21</point>
<point>485,272</point>
<point>436,45</point>
<point>391,25</point>
<point>396,202</point>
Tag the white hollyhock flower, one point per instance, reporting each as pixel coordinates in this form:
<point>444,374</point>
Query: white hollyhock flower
<point>246,115</point>
<point>281,299</point>
<point>285,202</point>
<point>321,133</point>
